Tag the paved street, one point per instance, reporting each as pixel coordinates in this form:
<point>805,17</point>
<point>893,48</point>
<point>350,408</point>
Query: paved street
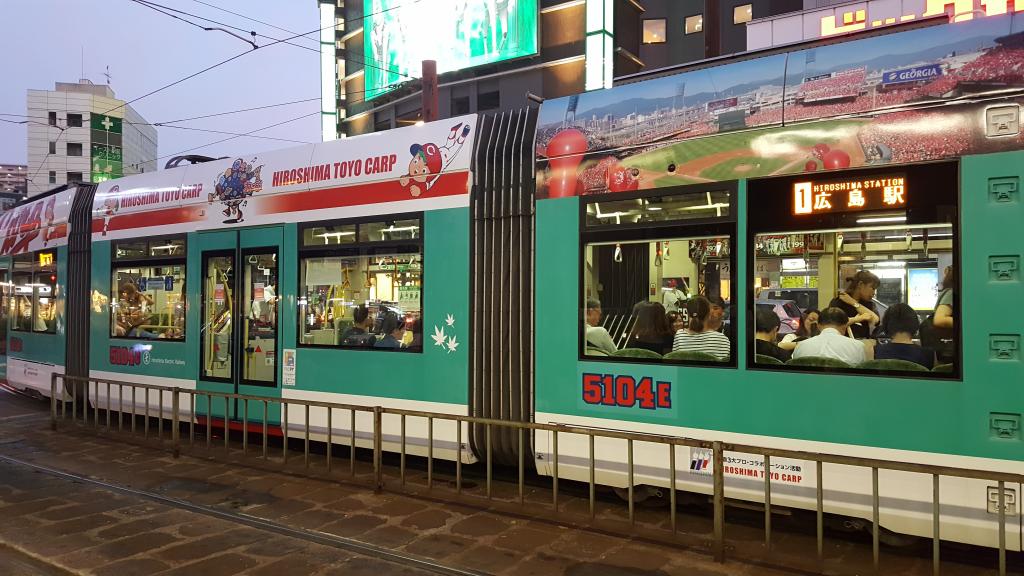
<point>182,520</point>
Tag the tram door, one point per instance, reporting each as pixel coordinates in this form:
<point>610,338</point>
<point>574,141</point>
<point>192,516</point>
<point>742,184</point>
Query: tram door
<point>239,318</point>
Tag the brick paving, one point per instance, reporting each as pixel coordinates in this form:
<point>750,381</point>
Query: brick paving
<point>82,528</point>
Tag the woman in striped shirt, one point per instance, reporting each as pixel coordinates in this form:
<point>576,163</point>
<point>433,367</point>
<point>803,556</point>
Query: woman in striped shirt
<point>701,337</point>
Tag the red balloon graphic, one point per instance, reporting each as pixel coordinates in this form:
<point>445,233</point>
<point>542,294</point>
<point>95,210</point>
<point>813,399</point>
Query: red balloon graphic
<point>836,159</point>
<point>565,152</point>
<point>819,150</point>
<point>811,166</point>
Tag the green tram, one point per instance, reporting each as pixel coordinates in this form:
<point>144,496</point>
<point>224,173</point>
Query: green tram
<point>454,267</point>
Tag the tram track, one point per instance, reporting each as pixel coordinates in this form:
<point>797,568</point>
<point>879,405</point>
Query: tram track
<point>310,536</point>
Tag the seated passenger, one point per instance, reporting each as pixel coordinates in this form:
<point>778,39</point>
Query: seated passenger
<point>717,316</point>
<point>393,329</point>
<point>416,342</point>
<point>677,321</point>
<point>767,331</point>
<point>597,338</point>
<point>858,303</point>
<point>832,342</point>
<point>650,331</point>
<point>900,324</point>
<point>701,335</point>
<point>359,333</point>
<point>808,328</point>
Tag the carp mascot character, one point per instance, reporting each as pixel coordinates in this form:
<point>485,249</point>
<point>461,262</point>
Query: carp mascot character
<point>428,160</point>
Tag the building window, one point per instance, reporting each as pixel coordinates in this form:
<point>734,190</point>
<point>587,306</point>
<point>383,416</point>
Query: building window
<point>74,177</point>
<point>488,101</point>
<point>53,147</point>
<point>53,118</point>
<point>148,289</point>
<point>53,177</point>
<point>460,105</point>
<point>654,31</point>
<point>74,120</point>
<point>658,281</point>
<point>35,283</point>
<point>74,149</point>
<point>742,14</point>
<point>360,284</point>
<point>694,24</point>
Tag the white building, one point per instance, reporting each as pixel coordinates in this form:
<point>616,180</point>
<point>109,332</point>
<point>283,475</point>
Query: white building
<point>81,133</point>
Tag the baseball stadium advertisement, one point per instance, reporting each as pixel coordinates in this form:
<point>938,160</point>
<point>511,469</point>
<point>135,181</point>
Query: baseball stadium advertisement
<point>872,101</point>
<point>458,34</point>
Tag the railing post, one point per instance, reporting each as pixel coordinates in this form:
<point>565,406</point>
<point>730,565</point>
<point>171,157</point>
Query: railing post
<point>175,422</point>
<point>718,501</point>
<point>53,401</point>
<point>378,448</point>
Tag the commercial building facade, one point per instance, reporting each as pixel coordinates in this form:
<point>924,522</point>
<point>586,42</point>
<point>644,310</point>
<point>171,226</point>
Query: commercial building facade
<point>577,45</point>
<point>79,132</point>
<point>13,180</point>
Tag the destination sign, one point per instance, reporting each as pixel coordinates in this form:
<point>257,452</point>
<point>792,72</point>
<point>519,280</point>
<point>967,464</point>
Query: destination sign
<point>854,195</point>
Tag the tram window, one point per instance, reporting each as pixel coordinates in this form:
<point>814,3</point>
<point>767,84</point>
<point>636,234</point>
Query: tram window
<point>887,291</point>
<point>659,299</point>
<point>148,289</point>
<point>5,303</point>
<point>360,285</point>
<point>21,278</point>
<point>681,207</point>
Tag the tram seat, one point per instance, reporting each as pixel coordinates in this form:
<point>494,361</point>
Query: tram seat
<point>637,353</point>
<point>591,351</point>
<point>692,356</point>
<point>818,361</point>
<point>766,359</point>
<point>892,364</point>
<point>944,368</point>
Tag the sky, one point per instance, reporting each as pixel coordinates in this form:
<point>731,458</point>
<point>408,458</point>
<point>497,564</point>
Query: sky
<point>43,42</point>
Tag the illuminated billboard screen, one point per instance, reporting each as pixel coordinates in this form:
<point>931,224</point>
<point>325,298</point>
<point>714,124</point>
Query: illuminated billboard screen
<point>398,35</point>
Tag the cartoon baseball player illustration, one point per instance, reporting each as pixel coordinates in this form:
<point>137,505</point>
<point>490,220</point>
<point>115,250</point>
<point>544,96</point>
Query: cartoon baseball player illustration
<point>109,207</point>
<point>428,160</point>
<point>49,230</point>
<point>234,186</point>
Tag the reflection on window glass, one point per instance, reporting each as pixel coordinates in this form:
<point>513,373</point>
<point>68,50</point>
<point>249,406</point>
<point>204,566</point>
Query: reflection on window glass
<point>680,207</point>
<point>154,248</point>
<point>361,301</point>
<point>659,299</point>
<point>260,338</point>
<point>694,24</point>
<point>35,292</point>
<point>217,328</point>
<point>389,231</point>
<point>149,302</point>
<point>329,235</point>
<point>876,298</point>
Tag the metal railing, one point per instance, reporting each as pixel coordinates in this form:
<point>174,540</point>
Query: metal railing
<point>78,393</point>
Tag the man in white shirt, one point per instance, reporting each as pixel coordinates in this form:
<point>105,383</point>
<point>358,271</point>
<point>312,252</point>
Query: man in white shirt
<point>599,342</point>
<point>673,299</point>
<point>832,341</point>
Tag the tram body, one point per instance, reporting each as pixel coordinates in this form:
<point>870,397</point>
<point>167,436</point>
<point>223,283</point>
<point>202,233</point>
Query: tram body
<point>241,275</point>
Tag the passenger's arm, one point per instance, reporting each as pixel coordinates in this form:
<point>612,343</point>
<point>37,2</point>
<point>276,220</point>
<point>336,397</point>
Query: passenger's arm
<point>943,317</point>
<point>603,341</point>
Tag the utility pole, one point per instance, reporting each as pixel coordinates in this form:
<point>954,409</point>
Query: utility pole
<point>429,79</point>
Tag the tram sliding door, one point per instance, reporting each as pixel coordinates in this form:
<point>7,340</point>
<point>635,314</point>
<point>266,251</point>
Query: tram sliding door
<point>239,320</point>
<point>6,290</point>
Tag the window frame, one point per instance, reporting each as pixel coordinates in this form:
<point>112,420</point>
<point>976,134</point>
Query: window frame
<point>78,122</point>
<point>68,148</point>
<point>920,212</point>
<point>146,262</point>
<point>726,226</point>
<point>357,249</point>
<point>643,31</point>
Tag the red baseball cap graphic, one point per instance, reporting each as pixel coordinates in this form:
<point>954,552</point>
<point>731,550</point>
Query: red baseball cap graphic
<point>431,155</point>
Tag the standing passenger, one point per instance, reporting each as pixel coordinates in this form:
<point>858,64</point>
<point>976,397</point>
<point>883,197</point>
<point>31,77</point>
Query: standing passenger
<point>701,335</point>
<point>857,302</point>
